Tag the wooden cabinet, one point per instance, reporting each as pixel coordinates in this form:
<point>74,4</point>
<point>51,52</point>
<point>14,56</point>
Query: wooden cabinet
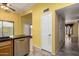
<point>17,46</point>
<point>6,48</point>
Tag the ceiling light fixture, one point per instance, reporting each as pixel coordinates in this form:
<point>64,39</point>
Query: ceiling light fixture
<point>7,6</point>
<point>2,6</point>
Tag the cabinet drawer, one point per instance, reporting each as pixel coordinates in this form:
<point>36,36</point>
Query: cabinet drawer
<point>6,51</point>
<point>5,43</point>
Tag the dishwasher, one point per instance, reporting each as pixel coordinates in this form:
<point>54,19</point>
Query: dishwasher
<point>21,47</point>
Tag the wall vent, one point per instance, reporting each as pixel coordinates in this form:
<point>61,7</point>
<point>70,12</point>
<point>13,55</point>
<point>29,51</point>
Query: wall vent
<point>46,10</point>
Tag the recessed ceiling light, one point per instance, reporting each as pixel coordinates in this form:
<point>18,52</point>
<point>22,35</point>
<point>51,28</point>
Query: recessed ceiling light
<point>6,8</point>
<point>2,6</point>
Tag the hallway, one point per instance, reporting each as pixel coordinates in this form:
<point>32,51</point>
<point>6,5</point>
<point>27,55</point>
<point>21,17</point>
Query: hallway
<point>71,47</point>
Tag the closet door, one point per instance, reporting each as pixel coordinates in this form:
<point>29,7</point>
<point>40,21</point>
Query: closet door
<point>46,32</point>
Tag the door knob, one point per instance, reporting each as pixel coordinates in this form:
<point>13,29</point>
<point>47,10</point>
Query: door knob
<point>49,35</point>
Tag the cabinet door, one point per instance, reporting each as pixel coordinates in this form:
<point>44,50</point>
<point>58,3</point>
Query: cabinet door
<point>6,51</point>
<point>6,48</point>
<point>21,47</point>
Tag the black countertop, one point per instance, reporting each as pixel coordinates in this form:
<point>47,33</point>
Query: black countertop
<point>14,37</point>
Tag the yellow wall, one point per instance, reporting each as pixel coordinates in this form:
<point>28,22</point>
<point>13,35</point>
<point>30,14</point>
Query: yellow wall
<point>9,16</point>
<point>36,14</point>
<point>26,19</point>
<point>75,29</point>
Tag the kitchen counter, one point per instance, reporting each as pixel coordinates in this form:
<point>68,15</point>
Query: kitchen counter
<point>20,36</point>
<point>14,37</point>
<point>17,45</point>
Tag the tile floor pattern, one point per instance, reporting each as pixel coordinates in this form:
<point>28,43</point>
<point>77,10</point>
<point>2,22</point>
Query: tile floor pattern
<point>65,52</point>
<point>39,52</point>
<point>71,48</point>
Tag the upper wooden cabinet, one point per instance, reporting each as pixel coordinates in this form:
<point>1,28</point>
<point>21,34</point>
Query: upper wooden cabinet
<point>6,48</point>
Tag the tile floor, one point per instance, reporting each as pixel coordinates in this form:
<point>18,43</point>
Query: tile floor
<point>71,48</point>
<point>39,52</point>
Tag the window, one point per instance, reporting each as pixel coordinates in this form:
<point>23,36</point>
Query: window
<point>6,28</point>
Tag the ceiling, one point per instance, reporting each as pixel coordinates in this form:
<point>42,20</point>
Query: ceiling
<point>70,13</point>
<point>19,7</point>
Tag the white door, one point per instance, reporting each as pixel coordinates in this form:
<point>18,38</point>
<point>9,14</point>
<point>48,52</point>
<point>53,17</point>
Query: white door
<point>46,32</point>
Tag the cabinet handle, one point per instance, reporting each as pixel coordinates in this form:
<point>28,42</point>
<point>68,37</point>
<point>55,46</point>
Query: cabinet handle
<point>21,40</point>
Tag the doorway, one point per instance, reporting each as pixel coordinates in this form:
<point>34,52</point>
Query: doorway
<point>27,28</point>
<point>27,24</point>
<point>68,18</point>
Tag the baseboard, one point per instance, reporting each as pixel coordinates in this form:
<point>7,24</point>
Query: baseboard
<point>26,54</point>
<point>37,47</point>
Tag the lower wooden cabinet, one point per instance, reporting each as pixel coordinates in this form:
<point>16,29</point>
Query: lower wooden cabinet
<point>18,47</point>
<point>6,48</point>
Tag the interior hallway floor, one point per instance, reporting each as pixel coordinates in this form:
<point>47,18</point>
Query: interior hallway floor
<point>71,47</point>
<point>37,51</point>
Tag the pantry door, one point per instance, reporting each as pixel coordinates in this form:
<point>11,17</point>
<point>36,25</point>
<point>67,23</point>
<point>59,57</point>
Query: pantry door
<point>46,32</point>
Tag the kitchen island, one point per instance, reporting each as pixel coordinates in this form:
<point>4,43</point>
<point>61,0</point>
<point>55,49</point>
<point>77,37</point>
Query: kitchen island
<point>17,45</point>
